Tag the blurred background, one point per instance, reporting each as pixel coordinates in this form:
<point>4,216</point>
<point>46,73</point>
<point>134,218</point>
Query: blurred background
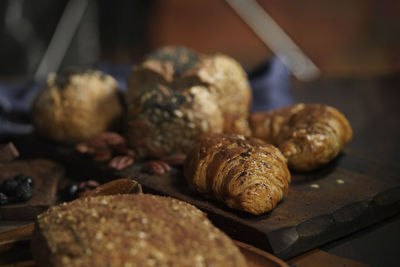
<point>343,38</point>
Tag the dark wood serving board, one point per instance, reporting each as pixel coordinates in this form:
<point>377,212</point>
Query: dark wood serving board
<point>45,175</point>
<point>345,201</point>
<point>347,195</point>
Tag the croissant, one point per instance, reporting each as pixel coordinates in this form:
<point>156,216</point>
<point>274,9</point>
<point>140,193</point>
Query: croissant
<point>308,135</point>
<point>243,172</point>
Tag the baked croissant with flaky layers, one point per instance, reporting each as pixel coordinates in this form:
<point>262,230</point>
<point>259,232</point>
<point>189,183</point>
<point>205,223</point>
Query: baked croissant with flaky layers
<point>308,135</point>
<point>243,172</point>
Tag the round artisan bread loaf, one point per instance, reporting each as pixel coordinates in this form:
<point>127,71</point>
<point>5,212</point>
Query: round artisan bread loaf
<point>176,95</point>
<point>76,105</point>
<point>244,172</point>
<point>165,122</point>
<point>130,230</point>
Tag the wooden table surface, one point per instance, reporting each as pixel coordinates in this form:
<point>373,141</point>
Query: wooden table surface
<point>371,104</point>
<point>373,107</point>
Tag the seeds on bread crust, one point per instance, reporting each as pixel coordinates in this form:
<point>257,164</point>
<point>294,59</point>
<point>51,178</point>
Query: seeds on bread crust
<point>142,230</point>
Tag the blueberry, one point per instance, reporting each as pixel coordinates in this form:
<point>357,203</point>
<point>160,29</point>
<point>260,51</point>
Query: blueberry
<point>23,192</point>
<point>73,189</point>
<point>70,192</point>
<point>9,187</point>
<point>22,178</point>
<point>3,199</point>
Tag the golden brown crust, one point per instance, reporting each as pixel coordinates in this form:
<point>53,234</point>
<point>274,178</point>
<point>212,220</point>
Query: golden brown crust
<point>177,95</point>
<point>164,122</point>
<point>245,173</point>
<point>227,79</point>
<point>76,106</point>
<point>309,135</point>
<point>134,230</point>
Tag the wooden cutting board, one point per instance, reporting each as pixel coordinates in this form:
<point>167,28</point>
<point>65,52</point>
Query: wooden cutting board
<point>45,175</point>
<point>347,195</point>
<point>321,206</point>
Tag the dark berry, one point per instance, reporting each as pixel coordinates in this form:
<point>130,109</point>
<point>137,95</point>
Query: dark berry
<point>23,192</point>
<point>73,189</point>
<point>9,187</point>
<point>22,178</point>
<point>3,199</point>
<point>70,192</point>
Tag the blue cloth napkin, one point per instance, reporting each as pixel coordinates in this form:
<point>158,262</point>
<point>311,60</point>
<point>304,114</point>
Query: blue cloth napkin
<point>15,105</point>
<point>269,82</point>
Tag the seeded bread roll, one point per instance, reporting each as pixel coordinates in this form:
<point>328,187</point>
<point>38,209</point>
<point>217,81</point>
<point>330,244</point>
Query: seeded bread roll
<point>176,95</point>
<point>309,135</point>
<point>168,122</point>
<point>130,230</point>
<point>243,172</point>
<point>76,106</point>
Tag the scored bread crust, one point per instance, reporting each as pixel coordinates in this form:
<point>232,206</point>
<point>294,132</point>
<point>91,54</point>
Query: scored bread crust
<point>243,172</point>
<point>134,230</point>
<point>176,95</point>
<point>164,122</point>
<point>309,135</point>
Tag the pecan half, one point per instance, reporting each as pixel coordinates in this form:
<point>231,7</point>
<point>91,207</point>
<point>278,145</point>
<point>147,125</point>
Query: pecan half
<point>107,139</point>
<point>84,148</point>
<point>174,160</point>
<point>121,162</point>
<point>157,167</point>
<point>103,154</point>
<point>107,146</point>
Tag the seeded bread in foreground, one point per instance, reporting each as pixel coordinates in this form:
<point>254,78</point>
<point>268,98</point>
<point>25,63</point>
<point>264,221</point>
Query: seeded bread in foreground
<point>130,230</point>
